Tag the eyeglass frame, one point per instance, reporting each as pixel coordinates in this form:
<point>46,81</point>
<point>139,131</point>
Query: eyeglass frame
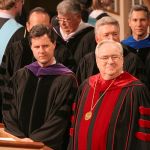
<point>106,58</point>
<point>63,20</point>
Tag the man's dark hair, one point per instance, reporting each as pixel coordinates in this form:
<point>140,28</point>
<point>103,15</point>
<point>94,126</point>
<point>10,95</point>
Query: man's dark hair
<point>40,30</point>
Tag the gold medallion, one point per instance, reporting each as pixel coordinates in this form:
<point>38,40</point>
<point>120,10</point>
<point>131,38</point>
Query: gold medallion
<point>88,115</point>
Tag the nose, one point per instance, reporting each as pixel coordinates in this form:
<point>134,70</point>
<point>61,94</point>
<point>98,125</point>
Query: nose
<point>41,49</point>
<point>110,60</point>
<point>110,37</point>
<point>62,22</point>
<point>138,23</point>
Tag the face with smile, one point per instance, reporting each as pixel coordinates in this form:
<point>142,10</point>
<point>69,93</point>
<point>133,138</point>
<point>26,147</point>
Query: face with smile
<point>43,50</point>
<point>109,60</point>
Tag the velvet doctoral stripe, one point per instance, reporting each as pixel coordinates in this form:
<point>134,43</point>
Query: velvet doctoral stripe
<point>120,115</point>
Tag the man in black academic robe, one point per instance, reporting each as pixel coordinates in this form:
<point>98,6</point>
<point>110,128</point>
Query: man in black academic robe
<point>38,99</point>
<point>69,34</point>
<point>19,53</point>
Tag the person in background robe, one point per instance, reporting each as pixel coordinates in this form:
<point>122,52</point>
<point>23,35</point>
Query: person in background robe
<point>9,10</point>
<point>38,99</point>
<point>139,41</point>
<point>70,32</point>
<point>112,107</point>
<point>107,28</point>
<point>10,31</point>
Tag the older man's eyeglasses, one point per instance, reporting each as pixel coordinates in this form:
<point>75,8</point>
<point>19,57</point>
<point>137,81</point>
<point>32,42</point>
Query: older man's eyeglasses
<point>113,58</point>
<point>64,19</point>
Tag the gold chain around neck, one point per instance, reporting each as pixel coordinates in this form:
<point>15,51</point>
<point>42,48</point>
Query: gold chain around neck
<point>93,105</point>
<point>88,114</point>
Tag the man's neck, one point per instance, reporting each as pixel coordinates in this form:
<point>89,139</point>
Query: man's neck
<point>51,62</point>
<point>138,38</point>
<point>9,13</point>
<point>111,77</point>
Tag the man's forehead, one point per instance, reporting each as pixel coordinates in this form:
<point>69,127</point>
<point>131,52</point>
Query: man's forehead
<point>67,15</point>
<point>139,14</point>
<point>109,28</point>
<point>107,48</point>
<point>37,14</point>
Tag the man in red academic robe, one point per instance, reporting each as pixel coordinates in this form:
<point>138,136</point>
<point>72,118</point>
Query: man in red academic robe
<point>113,107</point>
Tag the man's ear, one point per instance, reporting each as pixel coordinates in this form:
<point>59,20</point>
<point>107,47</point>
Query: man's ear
<point>129,22</point>
<point>97,39</point>
<point>27,26</point>
<point>54,44</point>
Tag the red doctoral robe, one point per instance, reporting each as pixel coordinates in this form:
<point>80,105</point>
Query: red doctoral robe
<point>120,119</point>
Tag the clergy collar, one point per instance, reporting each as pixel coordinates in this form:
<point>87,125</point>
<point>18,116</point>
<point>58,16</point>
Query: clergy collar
<point>54,69</point>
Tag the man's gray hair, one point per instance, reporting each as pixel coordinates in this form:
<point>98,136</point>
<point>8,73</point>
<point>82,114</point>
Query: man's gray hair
<point>7,4</point>
<point>69,6</point>
<point>139,8</point>
<point>117,44</point>
<point>105,21</point>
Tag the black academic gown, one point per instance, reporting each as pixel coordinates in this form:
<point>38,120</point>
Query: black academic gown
<point>38,105</point>
<point>18,35</point>
<point>16,56</point>
<point>132,64</point>
<point>142,49</point>
<point>71,51</point>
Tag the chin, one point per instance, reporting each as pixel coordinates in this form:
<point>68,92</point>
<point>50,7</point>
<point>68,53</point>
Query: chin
<point>43,62</point>
<point>111,73</point>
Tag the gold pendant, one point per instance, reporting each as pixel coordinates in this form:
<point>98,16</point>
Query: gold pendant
<point>88,115</point>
